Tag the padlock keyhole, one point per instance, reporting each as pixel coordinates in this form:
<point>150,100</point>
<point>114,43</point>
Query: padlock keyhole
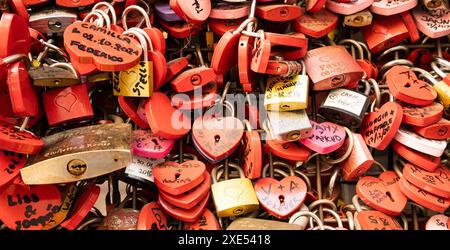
<point>390,196</point>
<point>155,141</point>
<point>177,176</point>
<point>407,85</point>
<point>281,198</point>
<point>217,138</point>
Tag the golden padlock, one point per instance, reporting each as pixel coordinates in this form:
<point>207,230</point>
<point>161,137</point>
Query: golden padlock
<point>235,196</point>
<point>287,93</point>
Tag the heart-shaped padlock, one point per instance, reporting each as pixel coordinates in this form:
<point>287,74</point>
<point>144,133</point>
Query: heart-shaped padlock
<point>16,38</point>
<point>187,215</point>
<point>288,150</point>
<point>152,217</point>
<point>437,131</point>
<point>15,140</point>
<point>325,137</point>
<point>316,24</point>
<point>437,222</point>
<point>146,144</point>
<point>425,161</point>
<point>24,99</point>
<point>194,100</point>
<point>207,221</point>
<point>175,178</point>
<point>379,128</point>
<point>82,207</point>
<point>10,165</point>
<point>404,85</point>
<point>431,22</point>
<point>28,209</point>
<point>376,220</point>
<point>436,182</point>
<point>422,116</point>
<point>389,8</point>
<point>129,107</point>
<point>252,154</point>
<point>428,146</point>
<point>382,193</point>
<point>192,197</point>
<point>217,137</point>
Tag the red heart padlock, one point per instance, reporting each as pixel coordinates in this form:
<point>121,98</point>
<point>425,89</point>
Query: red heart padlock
<point>325,137</point>
<point>192,11</point>
<point>316,24</point>
<point>385,32</point>
<point>175,178</point>
<point>376,220</point>
<point>82,207</point>
<point>404,85</point>
<point>146,144</point>
<point>437,131</point>
<point>348,8</point>
<point>24,99</point>
<point>164,120</point>
<point>74,3</point>
<point>408,20</point>
<point>16,37</point>
<point>425,161</point>
<point>389,8</point>
<point>379,128</point>
<point>18,7</point>
<point>10,165</point>
<point>190,215</point>
<point>221,26</point>
<point>382,193</point>
<point>28,209</point>
<point>287,150</point>
<point>229,11</point>
<point>225,54</point>
<point>24,142</point>
<point>252,155</point>
<point>422,116</point>
<point>109,51</point>
<point>246,75</point>
<point>423,197</point>
<point>217,137</point>
<point>281,198</point>
<point>65,105</point>
<point>152,217</point>
<point>207,221</point>
<point>433,23</point>
<point>437,222</point>
<point>181,30</point>
<point>314,6</point>
<point>192,197</point>
<point>129,107</point>
<point>436,182</point>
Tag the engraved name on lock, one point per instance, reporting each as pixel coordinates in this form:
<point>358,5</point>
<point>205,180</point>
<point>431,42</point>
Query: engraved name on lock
<point>287,93</point>
<point>290,125</point>
<point>79,154</point>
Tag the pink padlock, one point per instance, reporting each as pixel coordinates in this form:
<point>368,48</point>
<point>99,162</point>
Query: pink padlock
<point>146,144</point>
<point>433,23</point>
<point>348,8</point>
<point>389,7</point>
<point>325,137</point>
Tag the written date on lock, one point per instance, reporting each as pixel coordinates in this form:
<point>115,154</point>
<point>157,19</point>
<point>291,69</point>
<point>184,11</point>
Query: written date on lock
<point>225,239</point>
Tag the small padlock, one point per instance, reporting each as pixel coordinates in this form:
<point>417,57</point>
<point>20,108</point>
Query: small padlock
<point>385,32</point>
<point>348,8</point>
<point>428,146</point>
<point>287,93</point>
<point>316,24</point>
<point>389,8</point>
<point>289,125</point>
<point>360,19</point>
<point>331,67</point>
<point>359,160</point>
<point>233,197</point>
<point>166,13</point>
<point>434,23</point>
<point>425,161</point>
<point>347,107</point>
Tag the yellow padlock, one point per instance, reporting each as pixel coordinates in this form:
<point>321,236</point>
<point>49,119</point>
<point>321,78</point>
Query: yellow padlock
<point>233,197</point>
<point>441,87</point>
<point>287,93</point>
<point>138,80</point>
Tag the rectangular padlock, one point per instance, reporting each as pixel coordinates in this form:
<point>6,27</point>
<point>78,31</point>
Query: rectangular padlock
<point>260,224</point>
<point>331,67</point>
<point>287,93</point>
<point>79,154</point>
<point>45,76</point>
<point>359,161</point>
<point>289,125</point>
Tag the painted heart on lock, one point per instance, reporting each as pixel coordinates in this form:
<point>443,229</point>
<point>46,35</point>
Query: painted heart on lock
<point>28,209</point>
<point>382,193</point>
<point>175,178</point>
<point>130,76</point>
<point>325,137</point>
<point>379,128</point>
<point>66,101</point>
<point>281,198</point>
<point>146,144</point>
<point>217,137</point>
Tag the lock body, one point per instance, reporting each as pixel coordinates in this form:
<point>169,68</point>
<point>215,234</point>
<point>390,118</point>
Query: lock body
<point>70,104</point>
<point>345,107</point>
<point>52,21</point>
<point>331,67</point>
<point>385,32</point>
<point>45,76</point>
<point>287,93</point>
<point>234,197</point>
<point>359,161</point>
<point>289,125</point>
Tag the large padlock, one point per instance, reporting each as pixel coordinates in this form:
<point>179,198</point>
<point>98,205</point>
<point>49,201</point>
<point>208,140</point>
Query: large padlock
<point>287,93</point>
<point>233,197</point>
<point>332,67</point>
<point>385,32</point>
<point>49,21</point>
<point>346,107</point>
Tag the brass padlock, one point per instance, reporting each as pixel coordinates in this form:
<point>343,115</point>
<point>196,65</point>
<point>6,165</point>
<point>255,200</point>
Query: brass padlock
<point>360,19</point>
<point>49,21</point>
<point>233,197</point>
<point>289,125</point>
<point>79,154</point>
<point>287,93</point>
<point>347,107</point>
<point>53,76</point>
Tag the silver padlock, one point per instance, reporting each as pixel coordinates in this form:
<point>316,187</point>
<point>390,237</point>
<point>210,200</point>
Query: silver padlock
<point>289,125</point>
<point>53,20</point>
